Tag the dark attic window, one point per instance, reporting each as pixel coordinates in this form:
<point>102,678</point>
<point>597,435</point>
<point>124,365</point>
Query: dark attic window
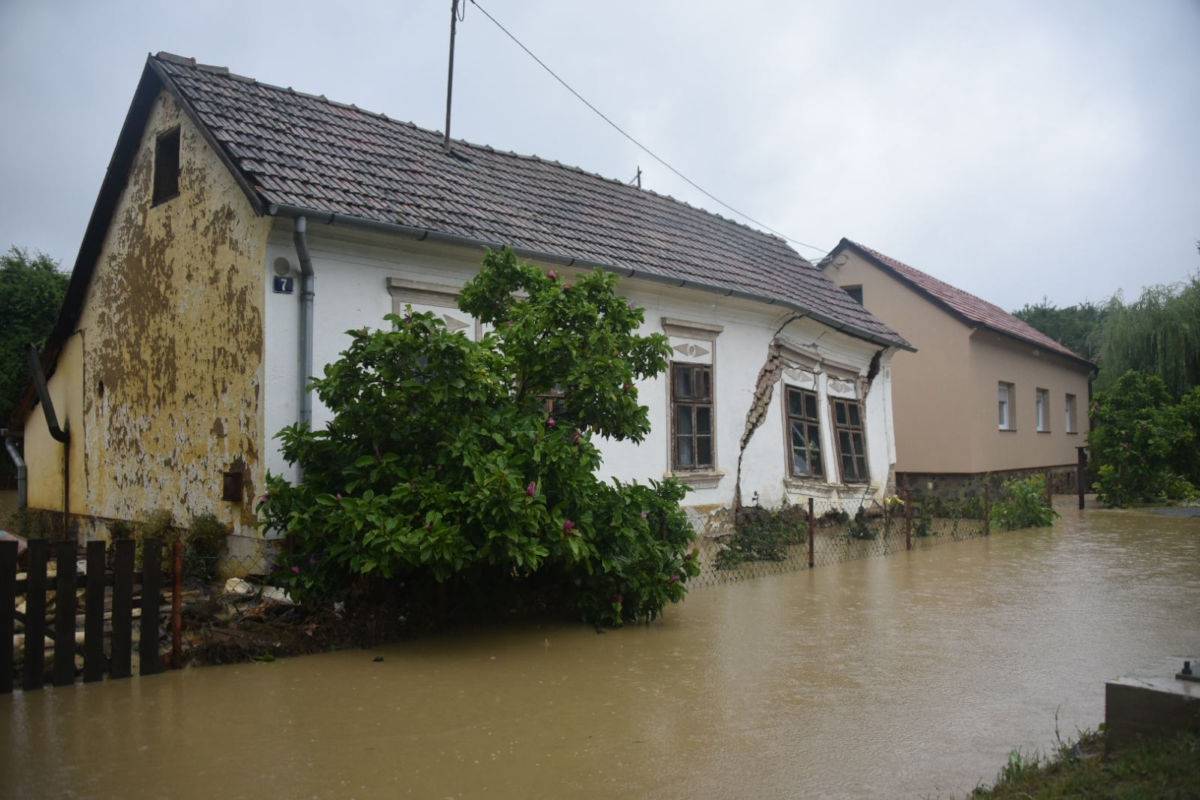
<point>166,166</point>
<point>855,292</point>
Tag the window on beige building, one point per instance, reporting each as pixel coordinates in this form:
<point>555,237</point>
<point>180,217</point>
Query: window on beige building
<point>856,292</point>
<point>1042,401</point>
<point>1007,420</point>
<point>1071,414</point>
<point>804,434</point>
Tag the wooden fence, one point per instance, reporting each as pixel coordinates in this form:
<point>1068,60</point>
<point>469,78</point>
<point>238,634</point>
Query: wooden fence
<point>97,578</point>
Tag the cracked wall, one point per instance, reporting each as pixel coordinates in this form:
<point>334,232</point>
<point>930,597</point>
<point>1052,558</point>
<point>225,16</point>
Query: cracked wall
<point>162,381</point>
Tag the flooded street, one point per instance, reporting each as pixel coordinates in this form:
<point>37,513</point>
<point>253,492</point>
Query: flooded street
<point>907,676</point>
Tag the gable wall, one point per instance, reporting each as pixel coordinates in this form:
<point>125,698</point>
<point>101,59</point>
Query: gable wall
<point>352,276</point>
<point>172,329</point>
<point>933,423</point>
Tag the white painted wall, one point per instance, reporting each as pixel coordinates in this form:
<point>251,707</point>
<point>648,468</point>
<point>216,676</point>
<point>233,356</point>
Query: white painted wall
<point>352,272</point>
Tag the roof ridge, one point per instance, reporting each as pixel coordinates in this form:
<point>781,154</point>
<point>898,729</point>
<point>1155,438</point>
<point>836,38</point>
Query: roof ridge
<point>189,61</point>
<point>894,263</point>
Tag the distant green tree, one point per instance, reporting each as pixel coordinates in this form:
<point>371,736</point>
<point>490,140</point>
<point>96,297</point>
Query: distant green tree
<point>31,291</point>
<point>1078,327</point>
<point>1158,333</point>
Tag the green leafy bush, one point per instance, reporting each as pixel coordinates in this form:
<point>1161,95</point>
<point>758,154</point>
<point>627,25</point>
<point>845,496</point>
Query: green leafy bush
<point>1141,442</point>
<point>206,542</point>
<point>443,465</point>
<point>763,535</point>
<point>1023,505</point>
<point>860,526</point>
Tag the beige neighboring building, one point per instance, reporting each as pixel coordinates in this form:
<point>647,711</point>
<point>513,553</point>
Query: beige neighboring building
<point>984,393</point>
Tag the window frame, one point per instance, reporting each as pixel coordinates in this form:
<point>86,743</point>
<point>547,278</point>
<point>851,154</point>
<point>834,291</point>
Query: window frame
<point>852,290</point>
<point>1072,412</point>
<point>157,196</point>
<point>694,403</point>
<point>860,429</point>
<point>814,421</point>
<point>1041,409</point>
<point>1009,423</point>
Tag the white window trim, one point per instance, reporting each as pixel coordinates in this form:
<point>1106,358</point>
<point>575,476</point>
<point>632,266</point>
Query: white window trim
<point>1009,423</point>
<point>1041,404</point>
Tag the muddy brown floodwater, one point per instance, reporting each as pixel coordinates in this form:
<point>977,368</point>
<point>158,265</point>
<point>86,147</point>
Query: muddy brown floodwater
<point>908,676</point>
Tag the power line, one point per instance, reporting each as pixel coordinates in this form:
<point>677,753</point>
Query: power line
<point>641,146</point>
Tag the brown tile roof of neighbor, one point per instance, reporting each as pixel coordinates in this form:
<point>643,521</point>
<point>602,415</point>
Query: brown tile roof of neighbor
<point>305,154</point>
<point>966,306</point>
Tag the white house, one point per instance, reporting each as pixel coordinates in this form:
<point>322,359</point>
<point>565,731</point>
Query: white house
<point>243,228</point>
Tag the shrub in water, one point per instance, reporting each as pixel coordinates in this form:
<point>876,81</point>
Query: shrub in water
<point>860,527</point>
<point>1023,505</point>
<point>443,463</point>
<point>763,535</point>
<point>1141,442</point>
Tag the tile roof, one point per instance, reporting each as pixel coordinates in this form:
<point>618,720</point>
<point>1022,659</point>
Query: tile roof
<point>307,152</point>
<point>964,304</point>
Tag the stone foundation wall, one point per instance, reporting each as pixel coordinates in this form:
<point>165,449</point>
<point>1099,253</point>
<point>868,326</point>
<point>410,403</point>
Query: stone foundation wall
<point>1062,481</point>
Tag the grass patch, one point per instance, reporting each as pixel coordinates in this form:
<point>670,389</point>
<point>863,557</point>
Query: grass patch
<point>1166,768</point>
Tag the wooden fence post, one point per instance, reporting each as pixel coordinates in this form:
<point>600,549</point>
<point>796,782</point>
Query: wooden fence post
<point>35,615</point>
<point>177,608</point>
<point>64,615</point>
<point>8,610</point>
<point>93,614</point>
<point>1080,473</point>
<point>149,662</point>
<point>811,523</point>
<point>1049,491</point>
<point>122,605</point>
<point>907,499</point>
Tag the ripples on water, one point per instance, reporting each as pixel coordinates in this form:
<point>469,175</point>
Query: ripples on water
<point>912,675</point>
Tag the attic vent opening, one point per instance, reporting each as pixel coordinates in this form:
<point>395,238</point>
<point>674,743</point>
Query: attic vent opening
<point>166,166</point>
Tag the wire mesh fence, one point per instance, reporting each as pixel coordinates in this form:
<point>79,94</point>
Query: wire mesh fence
<point>770,542</point>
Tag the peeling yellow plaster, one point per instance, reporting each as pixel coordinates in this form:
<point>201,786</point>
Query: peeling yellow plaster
<point>166,393</point>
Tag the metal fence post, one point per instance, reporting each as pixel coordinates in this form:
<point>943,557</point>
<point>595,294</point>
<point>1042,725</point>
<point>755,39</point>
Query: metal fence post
<point>987,506</point>
<point>1080,470</point>
<point>906,497</point>
<point>177,608</point>
<point>810,533</point>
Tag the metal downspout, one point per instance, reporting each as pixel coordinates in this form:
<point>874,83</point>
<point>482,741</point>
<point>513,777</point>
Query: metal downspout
<point>10,444</point>
<point>308,291</point>
<point>59,434</point>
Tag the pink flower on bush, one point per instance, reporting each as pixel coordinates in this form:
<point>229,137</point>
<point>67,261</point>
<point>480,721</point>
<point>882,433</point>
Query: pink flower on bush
<point>531,489</point>
<point>552,275</point>
<point>551,423</point>
<point>673,579</point>
<point>295,570</point>
<point>568,526</point>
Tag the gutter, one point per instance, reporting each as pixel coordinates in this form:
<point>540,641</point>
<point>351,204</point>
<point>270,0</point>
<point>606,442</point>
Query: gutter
<point>308,292</point>
<point>426,234</point>
<point>10,444</point>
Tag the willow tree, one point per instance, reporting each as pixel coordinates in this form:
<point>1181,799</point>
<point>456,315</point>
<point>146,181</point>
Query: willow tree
<point>1159,333</point>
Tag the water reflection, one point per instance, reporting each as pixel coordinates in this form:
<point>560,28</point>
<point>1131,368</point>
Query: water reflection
<point>912,675</point>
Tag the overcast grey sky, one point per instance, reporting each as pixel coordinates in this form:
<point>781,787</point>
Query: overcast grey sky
<point>1016,149</point>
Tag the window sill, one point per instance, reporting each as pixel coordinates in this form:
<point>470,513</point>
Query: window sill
<point>1072,433</point>
<point>698,478</point>
<point>1045,431</point>
<point>1007,430</point>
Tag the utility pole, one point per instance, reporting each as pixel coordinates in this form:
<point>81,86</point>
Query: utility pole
<point>450,73</point>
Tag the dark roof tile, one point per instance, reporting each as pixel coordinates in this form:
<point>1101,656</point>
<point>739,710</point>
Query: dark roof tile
<point>300,150</point>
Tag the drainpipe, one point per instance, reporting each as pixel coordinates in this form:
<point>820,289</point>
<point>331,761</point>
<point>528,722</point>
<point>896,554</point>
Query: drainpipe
<point>59,434</point>
<point>10,444</point>
<point>308,291</point>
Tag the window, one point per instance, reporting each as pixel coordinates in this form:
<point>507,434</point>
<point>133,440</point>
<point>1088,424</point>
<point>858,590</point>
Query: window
<point>848,430</point>
<point>855,292</point>
<point>1008,419</point>
<point>804,434</point>
<point>166,166</point>
<point>1043,410</point>
<point>691,416</point>
<point>1071,414</point>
